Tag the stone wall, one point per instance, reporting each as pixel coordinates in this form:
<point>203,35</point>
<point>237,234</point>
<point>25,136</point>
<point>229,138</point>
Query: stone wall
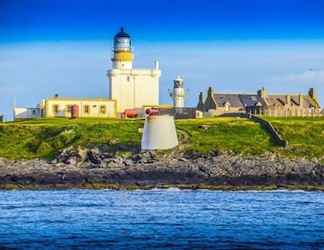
<point>271,130</point>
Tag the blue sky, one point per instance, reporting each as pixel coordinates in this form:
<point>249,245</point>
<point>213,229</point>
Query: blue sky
<point>60,46</point>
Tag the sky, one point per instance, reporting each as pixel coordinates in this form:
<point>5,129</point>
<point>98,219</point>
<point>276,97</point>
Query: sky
<point>64,47</point>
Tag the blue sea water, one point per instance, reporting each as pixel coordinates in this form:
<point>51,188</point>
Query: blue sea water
<point>161,219</point>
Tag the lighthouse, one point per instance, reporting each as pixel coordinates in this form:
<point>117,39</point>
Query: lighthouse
<point>178,93</point>
<point>122,51</point>
<point>130,87</point>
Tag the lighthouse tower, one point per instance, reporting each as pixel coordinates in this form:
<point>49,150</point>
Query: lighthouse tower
<point>122,51</point>
<point>178,93</point>
<point>131,88</point>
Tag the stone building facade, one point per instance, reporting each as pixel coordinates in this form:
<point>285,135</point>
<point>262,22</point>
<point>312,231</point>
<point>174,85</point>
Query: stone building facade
<point>261,103</point>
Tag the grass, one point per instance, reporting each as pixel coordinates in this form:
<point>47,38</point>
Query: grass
<point>226,134</point>
<point>305,135</point>
<point>46,137</point>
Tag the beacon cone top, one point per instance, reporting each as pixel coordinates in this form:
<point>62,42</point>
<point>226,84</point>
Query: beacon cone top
<point>159,132</point>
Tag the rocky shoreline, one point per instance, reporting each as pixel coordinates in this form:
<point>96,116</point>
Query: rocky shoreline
<point>95,168</point>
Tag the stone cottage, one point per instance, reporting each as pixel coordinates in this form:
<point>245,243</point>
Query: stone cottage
<point>260,103</point>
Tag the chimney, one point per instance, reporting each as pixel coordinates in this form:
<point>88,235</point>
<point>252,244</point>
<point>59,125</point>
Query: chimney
<point>210,92</point>
<point>312,93</point>
<point>288,98</point>
<point>200,105</point>
<point>301,100</point>
<point>262,93</point>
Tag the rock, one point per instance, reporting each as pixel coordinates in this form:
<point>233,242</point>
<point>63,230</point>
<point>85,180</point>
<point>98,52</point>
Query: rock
<point>128,162</point>
<point>149,168</point>
<point>54,161</point>
<point>146,157</point>
<point>105,156</point>
<point>183,159</point>
<point>94,156</point>
<point>204,127</point>
<point>93,166</point>
<point>71,156</point>
<point>72,160</point>
<point>3,162</point>
<point>82,154</point>
<point>193,155</point>
<point>137,158</point>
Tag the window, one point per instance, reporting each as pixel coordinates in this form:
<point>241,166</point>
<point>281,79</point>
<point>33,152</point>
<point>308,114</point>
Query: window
<point>128,78</point>
<point>86,109</point>
<point>69,108</point>
<point>55,109</point>
<point>103,109</point>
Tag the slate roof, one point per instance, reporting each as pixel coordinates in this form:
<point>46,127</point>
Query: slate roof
<point>237,100</point>
<point>281,100</point>
<point>250,100</point>
<point>233,99</point>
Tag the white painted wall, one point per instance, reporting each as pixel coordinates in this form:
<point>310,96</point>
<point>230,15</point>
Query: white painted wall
<point>178,97</point>
<point>153,139</point>
<point>122,64</point>
<point>26,113</point>
<point>134,88</point>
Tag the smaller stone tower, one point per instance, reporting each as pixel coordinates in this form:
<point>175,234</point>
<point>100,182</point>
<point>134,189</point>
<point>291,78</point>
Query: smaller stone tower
<point>178,93</point>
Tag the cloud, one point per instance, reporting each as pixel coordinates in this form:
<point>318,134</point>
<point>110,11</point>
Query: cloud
<point>299,82</point>
<point>311,76</point>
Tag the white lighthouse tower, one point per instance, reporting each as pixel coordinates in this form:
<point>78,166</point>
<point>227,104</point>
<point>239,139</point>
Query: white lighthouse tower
<point>132,88</point>
<point>178,93</point>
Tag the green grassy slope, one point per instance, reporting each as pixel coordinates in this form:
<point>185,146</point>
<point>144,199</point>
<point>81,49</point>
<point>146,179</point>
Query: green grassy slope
<point>44,138</point>
<point>224,134</point>
<point>305,135</point>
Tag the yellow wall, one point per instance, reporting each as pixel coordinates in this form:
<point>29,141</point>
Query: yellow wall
<point>94,106</point>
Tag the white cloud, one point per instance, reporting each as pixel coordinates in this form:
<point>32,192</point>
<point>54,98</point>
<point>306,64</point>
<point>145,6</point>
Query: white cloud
<point>300,82</point>
<point>311,76</point>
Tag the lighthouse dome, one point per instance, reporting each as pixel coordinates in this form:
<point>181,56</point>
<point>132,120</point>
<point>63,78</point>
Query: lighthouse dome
<point>122,41</point>
<point>122,34</point>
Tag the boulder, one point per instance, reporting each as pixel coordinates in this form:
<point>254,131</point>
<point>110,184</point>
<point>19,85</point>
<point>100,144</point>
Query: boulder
<point>71,155</point>
<point>93,156</point>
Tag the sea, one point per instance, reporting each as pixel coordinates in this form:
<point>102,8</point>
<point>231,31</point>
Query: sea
<point>161,219</point>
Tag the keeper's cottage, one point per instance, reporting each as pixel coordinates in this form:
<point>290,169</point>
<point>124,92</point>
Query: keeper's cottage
<point>260,103</point>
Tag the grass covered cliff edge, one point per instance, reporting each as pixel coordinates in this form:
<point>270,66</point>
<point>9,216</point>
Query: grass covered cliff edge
<point>215,153</point>
<point>45,138</point>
